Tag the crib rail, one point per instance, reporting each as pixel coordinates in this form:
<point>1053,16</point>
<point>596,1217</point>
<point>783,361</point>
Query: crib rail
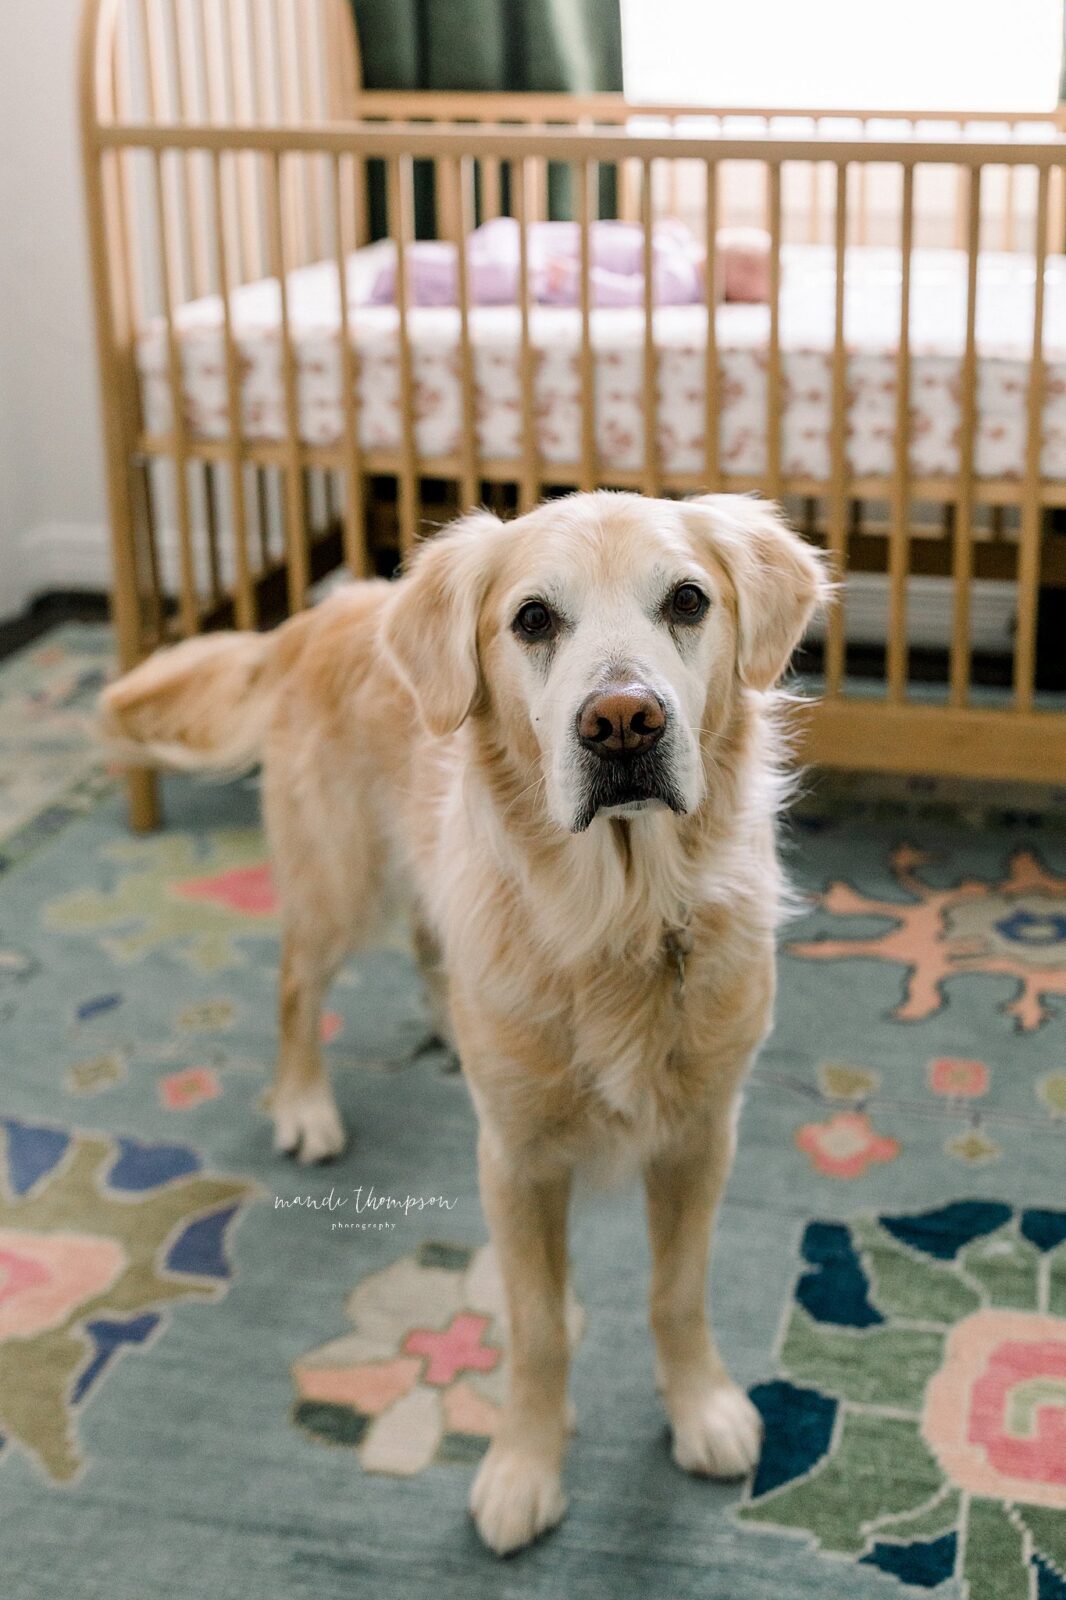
<point>246,508</point>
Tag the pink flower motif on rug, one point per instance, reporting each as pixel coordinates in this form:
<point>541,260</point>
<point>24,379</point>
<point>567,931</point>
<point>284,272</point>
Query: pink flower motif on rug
<point>457,1349</point>
<point>44,1277</point>
<point>845,1145</point>
<point>995,1413</point>
<point>958,1080</point>
<point>249,891</point>
<point>181,1091</point>
<point>421,1376</point>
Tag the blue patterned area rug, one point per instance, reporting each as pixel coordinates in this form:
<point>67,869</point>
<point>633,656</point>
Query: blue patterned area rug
<point>210,1387</point>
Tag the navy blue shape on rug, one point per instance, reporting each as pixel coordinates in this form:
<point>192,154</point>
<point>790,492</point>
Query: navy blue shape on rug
<point>798,1427</point>
<point>32,1152</point>
<point>943,1233</point>
<point>924,1565</point>
<point>145,1166</point>
<point>201,1248</point>
<point>837,1291</point>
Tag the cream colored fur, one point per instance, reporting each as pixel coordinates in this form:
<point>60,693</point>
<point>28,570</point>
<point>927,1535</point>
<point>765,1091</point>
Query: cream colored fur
<point>408,726</point>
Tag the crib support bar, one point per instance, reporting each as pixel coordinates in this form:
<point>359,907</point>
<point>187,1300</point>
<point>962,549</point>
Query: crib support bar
<point>401,224</point>
<point>960,667</point>
<point>1029,549</point>
<point>899,534</point>
<point>838,467</point>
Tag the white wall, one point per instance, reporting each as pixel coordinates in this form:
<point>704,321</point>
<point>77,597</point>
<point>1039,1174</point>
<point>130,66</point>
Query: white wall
<point>51,473</point>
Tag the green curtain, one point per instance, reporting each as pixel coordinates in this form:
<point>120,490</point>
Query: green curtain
<point>566,46</point>
<point>562,45</point>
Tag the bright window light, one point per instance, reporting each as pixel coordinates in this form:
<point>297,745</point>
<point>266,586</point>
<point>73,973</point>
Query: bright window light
<point>932,55</point>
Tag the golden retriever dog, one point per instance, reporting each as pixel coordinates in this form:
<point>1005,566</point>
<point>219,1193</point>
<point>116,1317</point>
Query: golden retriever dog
<point>563,730</point>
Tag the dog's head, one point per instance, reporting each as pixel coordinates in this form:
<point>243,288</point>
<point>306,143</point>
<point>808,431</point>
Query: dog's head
<point>604,638</point>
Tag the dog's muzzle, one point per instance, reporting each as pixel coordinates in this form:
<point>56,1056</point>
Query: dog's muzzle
<point>622,730</point>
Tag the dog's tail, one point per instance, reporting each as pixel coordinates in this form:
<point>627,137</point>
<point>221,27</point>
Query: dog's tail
<point>203,705</point>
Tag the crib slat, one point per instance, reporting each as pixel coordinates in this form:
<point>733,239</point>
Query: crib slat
<point>773,358</point>
<point>586,366</point>
<point>491,189</point>
<point>461,186</point>
<point>246,608</point>
<point>242,46</point>
<point>209,482</point>
<point>962,564</point>
<point>309,174</point>
<point>155,51</point>
<point>401,228</point>
<point>287,65</point>
<point>712,378</point>
<point>529,486</point>
<point>125,211</point>
<point>1029,548</point>
<point>650,391</point>
<point>153,600</point>
<point>190,608</point>
<point>899,531</point>
<point>183,30</point>
<point>356,554</point>
<point>838,495</point>
<point>298,565</point>
<point>159,110</point>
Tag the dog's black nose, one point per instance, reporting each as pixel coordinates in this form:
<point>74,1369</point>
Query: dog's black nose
<point>621,720</point>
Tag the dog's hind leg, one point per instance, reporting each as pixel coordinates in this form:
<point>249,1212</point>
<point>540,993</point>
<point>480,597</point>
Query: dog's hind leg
<point>430,958</point>
<point>307,1123</point>
<point>328,863</point>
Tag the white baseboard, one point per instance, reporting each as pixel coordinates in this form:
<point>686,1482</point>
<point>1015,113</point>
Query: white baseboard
<point>53,557</point>
<point>57,556</point>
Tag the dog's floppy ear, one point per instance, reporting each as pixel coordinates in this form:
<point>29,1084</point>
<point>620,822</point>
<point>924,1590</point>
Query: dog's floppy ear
<point>779,579</point>
<point>429,629</point>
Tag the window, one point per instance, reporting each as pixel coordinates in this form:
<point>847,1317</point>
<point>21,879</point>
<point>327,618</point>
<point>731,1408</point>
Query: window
<point>897,55</point>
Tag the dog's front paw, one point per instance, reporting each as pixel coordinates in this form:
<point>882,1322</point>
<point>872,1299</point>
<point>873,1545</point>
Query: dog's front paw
<point>308,1126</point>
<point>717,1431</point>
<point>515,1497</point>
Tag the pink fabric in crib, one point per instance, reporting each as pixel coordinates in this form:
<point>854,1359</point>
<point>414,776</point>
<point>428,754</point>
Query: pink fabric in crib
<point>616,275</point>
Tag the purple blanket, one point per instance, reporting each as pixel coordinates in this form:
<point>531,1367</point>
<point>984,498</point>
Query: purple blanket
<point>617,271</point>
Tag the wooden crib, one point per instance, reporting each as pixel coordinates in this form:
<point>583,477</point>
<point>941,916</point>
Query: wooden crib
<point>232,161</point>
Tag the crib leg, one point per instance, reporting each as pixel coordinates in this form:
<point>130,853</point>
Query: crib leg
<point>142,794</point>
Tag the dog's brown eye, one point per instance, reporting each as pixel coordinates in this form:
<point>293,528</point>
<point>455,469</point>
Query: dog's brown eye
<point>688,603</point>
<point>534,621</point>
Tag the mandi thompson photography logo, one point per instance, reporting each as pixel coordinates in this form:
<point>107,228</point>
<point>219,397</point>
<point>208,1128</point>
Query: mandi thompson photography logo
<point>365,1209</point>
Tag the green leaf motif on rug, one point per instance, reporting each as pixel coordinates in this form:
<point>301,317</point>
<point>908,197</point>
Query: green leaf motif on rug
<point>1006,1267</point>
<point>905,1285</point>
<point>995,1567</point>
<point>882,1366</point>
<point>879,1465</point>
<point>98,1237</point>
<point>197,896</point>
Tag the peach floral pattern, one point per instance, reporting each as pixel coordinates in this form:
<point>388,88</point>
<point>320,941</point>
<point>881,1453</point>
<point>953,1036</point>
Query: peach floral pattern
<point>1014,928</point>
<point>845,1145</point>
<point>958,1080</point>
<point>44,1277</point>
<point>995,1413</point>
<point>247,890</point>
<point>181,1091</point>
<point>917,1421</point>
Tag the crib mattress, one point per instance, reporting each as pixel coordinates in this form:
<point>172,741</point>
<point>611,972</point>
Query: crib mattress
<point>938,295</point>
